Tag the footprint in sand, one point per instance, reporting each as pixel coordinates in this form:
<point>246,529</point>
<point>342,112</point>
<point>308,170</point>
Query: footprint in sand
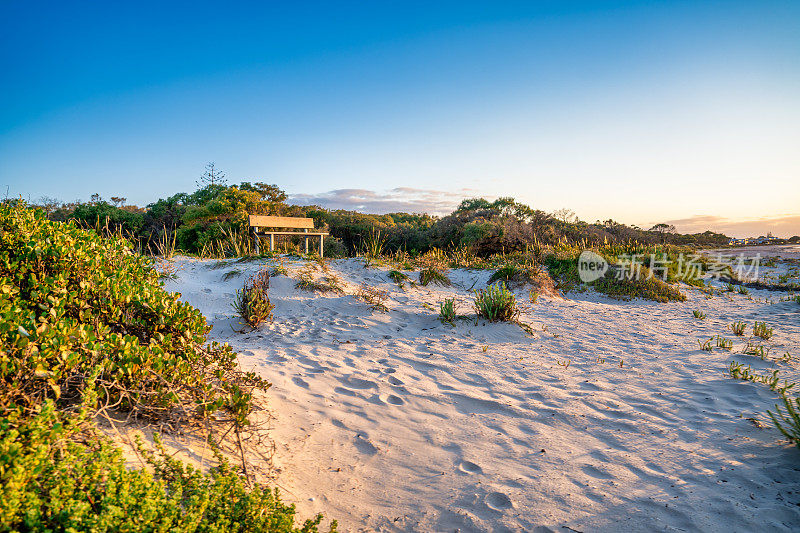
<point>394,381</point>
<point>469,467</point>
<point>300,382</point>
<point>365,446</point>
<point>498,501</point>
<point>392,399</point>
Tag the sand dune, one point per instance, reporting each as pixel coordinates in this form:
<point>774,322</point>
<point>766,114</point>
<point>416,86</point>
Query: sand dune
<point>609,418</point>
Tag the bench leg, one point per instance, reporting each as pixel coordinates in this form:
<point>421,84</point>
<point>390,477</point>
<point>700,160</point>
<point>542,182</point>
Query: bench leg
<point>306,239</point>
<point>321,237</point>
<point>271,242</point>
<point>257,243</point>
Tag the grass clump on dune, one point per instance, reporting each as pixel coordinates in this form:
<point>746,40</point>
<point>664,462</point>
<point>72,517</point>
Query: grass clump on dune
<point>432,275</point>
<point>514,274</point>
<point>85,325</point>
<point>496,303</point>
<point>329,282</point>
<point>399,277</point>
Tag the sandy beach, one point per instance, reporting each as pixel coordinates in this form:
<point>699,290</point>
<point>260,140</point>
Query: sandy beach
<point>608,418</point>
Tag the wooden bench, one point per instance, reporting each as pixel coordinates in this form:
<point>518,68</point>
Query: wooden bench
<point>279,225</point>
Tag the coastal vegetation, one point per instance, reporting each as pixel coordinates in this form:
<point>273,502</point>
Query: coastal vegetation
<point>86,329</point>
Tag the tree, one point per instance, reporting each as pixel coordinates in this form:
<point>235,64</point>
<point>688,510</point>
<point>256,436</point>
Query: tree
<point>48,205</point>
<point>212,176</point>
<point>95,199</point>
<point>664,229</point>
<point>270,193</point>
<point>565,215</point>
<point>118,201</point>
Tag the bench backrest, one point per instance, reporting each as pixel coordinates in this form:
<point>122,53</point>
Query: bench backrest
<point>264,221</point>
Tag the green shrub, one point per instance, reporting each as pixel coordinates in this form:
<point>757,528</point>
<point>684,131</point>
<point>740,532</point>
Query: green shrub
<point>643,286</point>
<point>52,481</point>
<point>431,275</point>
<point>738,328</point>
<point>252,301</point>
<point>73,303</point>
<point>496,303</point>
<point>333,248</point>
<point>85,324</point>
<point>447,311</point>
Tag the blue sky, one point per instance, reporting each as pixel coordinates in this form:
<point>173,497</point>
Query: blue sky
<point>641,112</point>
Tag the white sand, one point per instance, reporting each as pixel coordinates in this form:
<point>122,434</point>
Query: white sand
<point>395,422</point>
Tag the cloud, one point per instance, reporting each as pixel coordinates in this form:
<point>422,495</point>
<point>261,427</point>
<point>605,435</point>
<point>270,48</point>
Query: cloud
<point>399,199</point>
<point>779,225</point>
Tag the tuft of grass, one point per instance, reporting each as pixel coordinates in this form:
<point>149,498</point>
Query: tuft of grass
<point>761,330</point>
<point>512,274</point>
<point>447,311</point>
<point>533,296</point>
<point>788,422</point>
<point>399,277</point>
<point>706,346</point>
<point>252,301</point>
<point>327,283</point>
<point>432,275</point>
<point>227,276</point>
<point>278,270</point>
<point>373,244</point>
<point>741,289</point>
<point>738,328</point>
<point>375,297</point>
<point>699,314</point>
<point>496,303</point>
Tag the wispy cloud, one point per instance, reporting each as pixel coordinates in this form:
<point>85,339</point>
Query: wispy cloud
<point>399,199</point>
<point>779,225</point>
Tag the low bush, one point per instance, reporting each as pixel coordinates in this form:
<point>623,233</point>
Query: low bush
<point>642,286</point>
<point>85,325</point>
<point>333,248</point>
<point>54,481</point>
<point>252,300</point>
<point>496,303</point>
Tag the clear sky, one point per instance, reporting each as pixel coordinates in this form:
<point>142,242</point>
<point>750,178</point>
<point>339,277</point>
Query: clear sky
<point>638,111</point>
